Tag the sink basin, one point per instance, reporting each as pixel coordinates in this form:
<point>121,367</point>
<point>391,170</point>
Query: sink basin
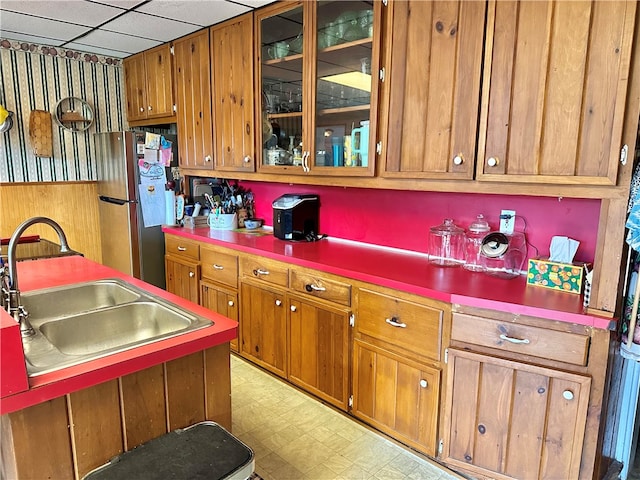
<point>56,302</point>
<point>82,322</point>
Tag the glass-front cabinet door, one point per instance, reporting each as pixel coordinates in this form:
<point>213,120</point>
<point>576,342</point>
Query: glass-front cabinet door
<point>318,92</point>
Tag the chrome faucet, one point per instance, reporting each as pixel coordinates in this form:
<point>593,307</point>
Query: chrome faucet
<point>10,290</point>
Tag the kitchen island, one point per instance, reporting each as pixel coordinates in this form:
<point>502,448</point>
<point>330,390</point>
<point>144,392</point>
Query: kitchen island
<point>65,423</point>
<point>428,355</point>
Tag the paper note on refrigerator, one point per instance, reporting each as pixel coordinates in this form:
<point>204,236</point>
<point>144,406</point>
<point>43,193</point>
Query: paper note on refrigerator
<point>152,202</point>
<point>151,172</point>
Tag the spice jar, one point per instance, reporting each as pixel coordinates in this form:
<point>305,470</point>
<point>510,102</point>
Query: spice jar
<point>473,243</point>
<point>446,244</point>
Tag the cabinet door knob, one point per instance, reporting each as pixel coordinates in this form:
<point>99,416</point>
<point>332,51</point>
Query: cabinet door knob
<point>393,321</point>
<point>218,267</point>
<point>230,303</point>
<point>424,383</point>
<point>568,395</point>
<point>192,274</point>
<point>493,161</point>
<point>141,109</point>
<point>150,107</point>
<point>247,159</point>
<point>458,159</point>
<point>293,308</point>
<point>207,158</point>
<point>278,303</point>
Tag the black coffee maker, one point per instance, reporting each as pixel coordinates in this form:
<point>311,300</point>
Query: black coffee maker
<point>295,217</point>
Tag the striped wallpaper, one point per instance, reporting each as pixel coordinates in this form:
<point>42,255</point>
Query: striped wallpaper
<point>33,80</point>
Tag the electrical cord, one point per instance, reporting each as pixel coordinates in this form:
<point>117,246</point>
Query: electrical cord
<point>526,239</point>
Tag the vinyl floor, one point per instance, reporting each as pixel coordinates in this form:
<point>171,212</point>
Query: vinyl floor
<point>295,436</point>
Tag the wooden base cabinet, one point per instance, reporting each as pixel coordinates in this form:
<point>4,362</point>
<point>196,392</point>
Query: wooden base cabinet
<point>510,420</point>
<point>222,301</point>
<point>319,350</point>
<point>182,278</point>
<point>396,395</point>
<point>264,327</point>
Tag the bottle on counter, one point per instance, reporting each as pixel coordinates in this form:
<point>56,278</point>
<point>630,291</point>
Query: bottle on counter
<point>473,242</point>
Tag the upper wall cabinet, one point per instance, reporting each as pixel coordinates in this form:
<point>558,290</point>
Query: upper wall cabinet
<point>232,74</point>
<point>148,80</point>
<point>432,81</point>
<point>193,82</point>
<point>554,91</point>
<point>314,75</point>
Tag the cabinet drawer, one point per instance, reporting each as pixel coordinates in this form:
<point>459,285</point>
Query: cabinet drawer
<point>318,286</point>
<point>219,266</point>
<point>182,247</point>
<point>401,323</point>
<point>525,339</point>
<point>266,270</point>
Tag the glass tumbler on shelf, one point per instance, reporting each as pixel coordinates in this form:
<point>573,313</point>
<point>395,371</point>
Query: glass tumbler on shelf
<point>446,244</point>
<point>474,236</point>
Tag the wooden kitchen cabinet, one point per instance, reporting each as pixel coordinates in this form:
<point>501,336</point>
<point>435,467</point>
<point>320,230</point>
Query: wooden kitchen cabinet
<point>148,80</point>
<point>182,267</point>
<point>264,327</point>
<point>314,74</point>
<point>319,349</point>
<point>433,91</point>
<point>511,420</point>
<point>232,76</point>
<point>193,100</point>
<point>396,395</point>
<point>554,97</point>
<point>223,301</point>
<point>398,349</point>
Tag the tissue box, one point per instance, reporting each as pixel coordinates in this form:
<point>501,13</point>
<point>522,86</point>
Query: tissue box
<point>223,221</point>
<point>568,277</point>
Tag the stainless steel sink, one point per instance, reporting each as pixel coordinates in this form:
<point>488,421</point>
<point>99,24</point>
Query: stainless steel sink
<point>68,300</point>
<point>82,322</point>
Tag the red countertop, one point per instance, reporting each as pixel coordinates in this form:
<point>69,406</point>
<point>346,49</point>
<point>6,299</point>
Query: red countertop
<point>406,271</point>
<point>18,392</point>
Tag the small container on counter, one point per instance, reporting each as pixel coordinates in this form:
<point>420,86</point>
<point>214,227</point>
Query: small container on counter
<point>473,243</point>
<point>446,244</point>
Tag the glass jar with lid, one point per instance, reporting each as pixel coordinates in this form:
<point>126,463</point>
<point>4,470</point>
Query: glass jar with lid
<point>446,244</point>
<point>473,242</point>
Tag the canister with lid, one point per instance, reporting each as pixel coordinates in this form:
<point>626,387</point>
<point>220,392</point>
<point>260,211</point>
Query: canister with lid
<point>473,243</point>
<point>446,244</point>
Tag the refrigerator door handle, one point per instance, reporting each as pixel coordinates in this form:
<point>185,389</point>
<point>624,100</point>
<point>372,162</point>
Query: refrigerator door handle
<point>117,201</point>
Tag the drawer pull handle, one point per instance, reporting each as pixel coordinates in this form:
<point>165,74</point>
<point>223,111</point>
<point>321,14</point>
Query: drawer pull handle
<point>259,271</point>
<point>424,383</point>
<point>218,267</point>
<point>182,249</point>
<point>311,287</point>
<point>514,340</point>
<point>230,303</point>
<point>278,303</point>
<point>393,321</point>
<point>293,308</point>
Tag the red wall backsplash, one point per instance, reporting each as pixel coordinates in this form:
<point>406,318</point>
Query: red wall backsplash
<point>402,219</point>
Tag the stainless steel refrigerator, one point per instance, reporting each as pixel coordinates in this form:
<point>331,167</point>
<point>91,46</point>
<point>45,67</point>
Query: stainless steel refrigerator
<point>127,245</point>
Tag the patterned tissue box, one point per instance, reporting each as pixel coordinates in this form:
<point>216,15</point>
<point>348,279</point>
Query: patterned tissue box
<point>568,277</point>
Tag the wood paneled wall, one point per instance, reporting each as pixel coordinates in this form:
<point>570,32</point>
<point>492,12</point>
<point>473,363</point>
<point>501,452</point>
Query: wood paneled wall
<point>67,437</point>
<point>74,205</point>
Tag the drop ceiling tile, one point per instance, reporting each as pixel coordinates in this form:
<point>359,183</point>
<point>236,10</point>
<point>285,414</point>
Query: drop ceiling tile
<point>117,41</point>
<point>125,4</point>
<point>72,11</point>
<point>149,26</point>
<point>255,3</point>
<point>198,12</point>
<point>30,25</point>
<point>97,50</point>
